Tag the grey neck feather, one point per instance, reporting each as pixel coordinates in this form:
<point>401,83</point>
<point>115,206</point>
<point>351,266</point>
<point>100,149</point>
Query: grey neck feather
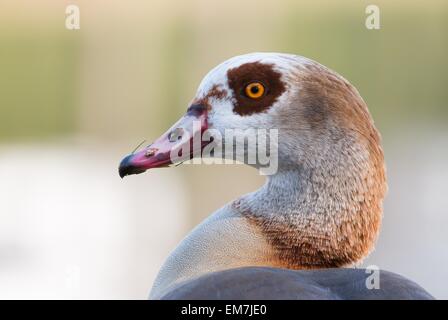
<point>329,184</point>
<point>283,194</point>
<point>324,211</point>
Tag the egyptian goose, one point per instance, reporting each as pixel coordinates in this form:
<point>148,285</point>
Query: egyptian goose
<point>321,208</point>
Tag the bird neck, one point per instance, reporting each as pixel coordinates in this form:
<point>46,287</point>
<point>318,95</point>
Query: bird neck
<point>281,195</point>
<point>327,215</point>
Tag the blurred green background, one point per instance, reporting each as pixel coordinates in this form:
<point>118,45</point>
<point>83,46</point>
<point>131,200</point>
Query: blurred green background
<point>86,97</point>
<point>155,54</point>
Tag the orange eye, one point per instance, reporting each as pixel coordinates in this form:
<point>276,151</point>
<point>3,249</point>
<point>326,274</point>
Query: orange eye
<point>254,90</point>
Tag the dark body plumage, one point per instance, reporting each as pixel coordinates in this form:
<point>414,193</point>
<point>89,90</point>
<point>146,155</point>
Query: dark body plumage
<point>263,283</point>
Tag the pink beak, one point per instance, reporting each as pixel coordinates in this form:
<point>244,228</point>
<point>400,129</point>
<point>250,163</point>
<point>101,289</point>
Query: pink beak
<point>164,151</point>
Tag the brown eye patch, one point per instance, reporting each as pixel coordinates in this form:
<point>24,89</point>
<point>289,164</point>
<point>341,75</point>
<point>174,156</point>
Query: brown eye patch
<point>254,72</point>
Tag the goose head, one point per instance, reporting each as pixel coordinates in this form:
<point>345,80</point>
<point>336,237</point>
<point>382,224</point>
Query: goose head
<point>312,109</point>
<point>255,91</point>
<point>329,181</point>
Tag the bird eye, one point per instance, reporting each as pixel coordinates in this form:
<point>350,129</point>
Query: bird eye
<point>254,90</point>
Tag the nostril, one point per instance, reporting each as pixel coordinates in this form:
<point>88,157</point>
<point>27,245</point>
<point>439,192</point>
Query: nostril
<point>176,134</point>
<point>150,152</point>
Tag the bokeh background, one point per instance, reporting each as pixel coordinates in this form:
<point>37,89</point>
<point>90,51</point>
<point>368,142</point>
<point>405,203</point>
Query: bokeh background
<point>74,102</point>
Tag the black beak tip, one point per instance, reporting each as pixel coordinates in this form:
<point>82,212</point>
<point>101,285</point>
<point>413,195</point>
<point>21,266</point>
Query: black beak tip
<point>122,172</point>
<point>126,168</point>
